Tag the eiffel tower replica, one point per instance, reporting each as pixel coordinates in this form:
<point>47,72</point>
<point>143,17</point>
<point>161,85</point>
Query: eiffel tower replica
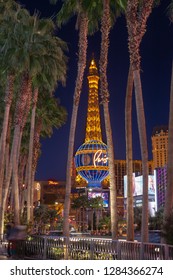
<point>91,159</point>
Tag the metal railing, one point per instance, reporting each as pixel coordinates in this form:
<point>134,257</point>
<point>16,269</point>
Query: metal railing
<point>91,249</point>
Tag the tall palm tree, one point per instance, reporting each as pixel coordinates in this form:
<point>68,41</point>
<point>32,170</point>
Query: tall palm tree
<point>56,119</point>
<point>37,42</point>
<point>8,11</point>
<point>86,10</point>
<point>137,13</point>
<point>49,70</point>
<point>169,190</point>
<point>129,156</point>
<point>83,30</point>
<point>105,30</point>
<point>79,8</point>
<point>11,19</point>
<point>33,46</point>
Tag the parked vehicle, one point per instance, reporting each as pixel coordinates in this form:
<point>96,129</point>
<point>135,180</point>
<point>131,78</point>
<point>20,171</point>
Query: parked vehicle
<point>79,234</point>
<point>154,236</point>
<point>55,233</point>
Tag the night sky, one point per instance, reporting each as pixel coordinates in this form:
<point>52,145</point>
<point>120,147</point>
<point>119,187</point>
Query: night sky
<point>156,53</point>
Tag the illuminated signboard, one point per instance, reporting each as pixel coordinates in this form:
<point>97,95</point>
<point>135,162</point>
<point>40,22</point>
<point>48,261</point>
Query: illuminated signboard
<point>99,157</point>
<point>91,161</point>
<point>52,182</point>
<point>104,195</point>
<point>138,185</point>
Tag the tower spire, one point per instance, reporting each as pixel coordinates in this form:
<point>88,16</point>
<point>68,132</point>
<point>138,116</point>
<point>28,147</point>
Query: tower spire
<point>93,127</point>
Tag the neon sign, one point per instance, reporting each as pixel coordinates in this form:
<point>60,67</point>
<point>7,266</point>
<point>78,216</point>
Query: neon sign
<point>52,182</point>
<point>98,157</point>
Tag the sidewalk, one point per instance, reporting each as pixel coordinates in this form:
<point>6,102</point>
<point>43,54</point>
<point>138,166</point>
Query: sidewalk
<point>4,255</point>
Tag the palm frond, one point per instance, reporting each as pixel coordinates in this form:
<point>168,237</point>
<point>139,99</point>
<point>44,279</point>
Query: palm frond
<point>170,11</point>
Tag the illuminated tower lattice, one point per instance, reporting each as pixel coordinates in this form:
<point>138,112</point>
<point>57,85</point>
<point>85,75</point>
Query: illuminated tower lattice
<point>91,158</point>
<point>93,129</point>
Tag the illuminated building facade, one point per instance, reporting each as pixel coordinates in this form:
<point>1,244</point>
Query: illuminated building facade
<point>161,184</point>
<point>160,146</point>
<point>52,192</point>
<point>120,172</point>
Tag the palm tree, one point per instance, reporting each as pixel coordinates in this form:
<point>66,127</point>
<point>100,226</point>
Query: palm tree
<point>8,101</point>
<point>33,46</point>
<point>51,64</point>
<point>11,20</point>
<point>169,190</point>
<point>96,205</point>
<point>80,203</point>
<point>18,37</point>
<point>37,41</point>
<point>136,25</point>
<point>105,30</point>
<point>79,8</point>
<point>49,114</point>
<point>91,11</point>
<point>128,125</point>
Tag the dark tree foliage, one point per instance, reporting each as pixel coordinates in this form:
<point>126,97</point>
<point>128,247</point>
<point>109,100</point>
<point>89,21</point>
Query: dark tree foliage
<point>167,229</point>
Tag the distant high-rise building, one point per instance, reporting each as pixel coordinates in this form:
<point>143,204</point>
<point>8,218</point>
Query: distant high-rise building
<point>160,146</point>
<point>120,172</point>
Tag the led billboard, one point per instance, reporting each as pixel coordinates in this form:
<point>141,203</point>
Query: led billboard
<point>138,191</point>
<point>104,195</point>
<point>138,185</point>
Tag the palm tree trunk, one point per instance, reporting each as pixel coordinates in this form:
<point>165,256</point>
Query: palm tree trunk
<point>129,156</point>
<point>68,172</point>
<point>8,101</point>
<point>144,152</point>
<point>81,68</point>
<point>32,193</point>
<point>169,189</point>
<point>97,220</point>
<point>6,189</point>
<point>30,160</point>
<point>105,30</point>
<point>113,191</point>
<point>92,220</point>
<point>22,169</point>
<point>21,112</point>
<point>15,186</point>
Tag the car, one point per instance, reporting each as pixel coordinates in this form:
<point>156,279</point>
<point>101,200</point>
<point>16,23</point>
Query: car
<point>55,233</point>
<point>79,234</point>
<point>154,236</point>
